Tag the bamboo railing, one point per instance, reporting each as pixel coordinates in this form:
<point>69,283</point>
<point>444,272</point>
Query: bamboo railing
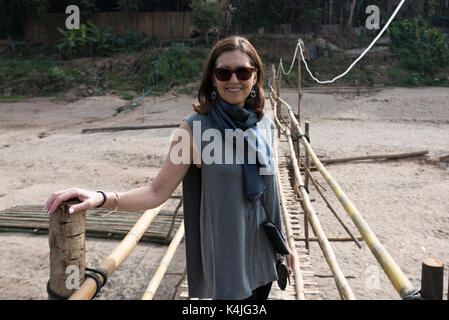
<point>343,287</point>
<point>399,281</point>
<point>88,288</point>
<point>299,281</point>
<point>162,269</point>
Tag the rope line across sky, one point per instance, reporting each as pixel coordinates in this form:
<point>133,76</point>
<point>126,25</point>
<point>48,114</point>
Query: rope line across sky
<point>299,45</point>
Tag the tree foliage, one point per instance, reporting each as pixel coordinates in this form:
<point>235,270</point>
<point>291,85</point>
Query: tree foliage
<point>418,47</point>
<point>205,15</point>
<point>251,15</point>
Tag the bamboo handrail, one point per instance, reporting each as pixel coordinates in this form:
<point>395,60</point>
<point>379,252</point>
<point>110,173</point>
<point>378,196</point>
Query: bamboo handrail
<point>118,255</point>
<point>162,269</point>
<point>399,281</point>
<point>299,281</point>
<point>342,285</point>
<point>331,208</point>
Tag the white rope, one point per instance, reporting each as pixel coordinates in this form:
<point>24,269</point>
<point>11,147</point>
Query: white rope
<point>353,64</point>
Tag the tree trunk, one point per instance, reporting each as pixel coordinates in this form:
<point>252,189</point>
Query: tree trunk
<point>351,13</point>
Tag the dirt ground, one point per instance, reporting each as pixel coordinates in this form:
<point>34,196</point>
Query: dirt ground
<point>404,201</point>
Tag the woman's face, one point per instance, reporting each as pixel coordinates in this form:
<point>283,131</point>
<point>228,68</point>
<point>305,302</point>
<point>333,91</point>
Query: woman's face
<point>234,91</point>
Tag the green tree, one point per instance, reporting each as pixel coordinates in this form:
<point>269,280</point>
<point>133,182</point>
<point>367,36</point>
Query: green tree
<point>418,47</point>
<point>205,16</point>
<point>251,15</point>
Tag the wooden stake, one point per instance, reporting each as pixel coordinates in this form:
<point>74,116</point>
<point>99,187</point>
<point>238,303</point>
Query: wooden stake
<point>66,238</point>
<point>432,279</point>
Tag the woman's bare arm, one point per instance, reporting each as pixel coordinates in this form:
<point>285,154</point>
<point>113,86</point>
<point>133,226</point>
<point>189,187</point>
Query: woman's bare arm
<point>143,198</point>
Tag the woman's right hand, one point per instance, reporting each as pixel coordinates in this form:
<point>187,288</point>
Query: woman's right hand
<point>89,199</point>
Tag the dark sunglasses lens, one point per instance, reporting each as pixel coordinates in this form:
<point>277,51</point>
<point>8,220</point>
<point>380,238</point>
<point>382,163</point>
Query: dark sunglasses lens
<point>244,73</point>
<point>223,74</point>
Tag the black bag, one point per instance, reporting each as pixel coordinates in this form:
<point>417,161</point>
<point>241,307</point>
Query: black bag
<point>276,237</point>
<point>282,272</point>
<point>278,242</point>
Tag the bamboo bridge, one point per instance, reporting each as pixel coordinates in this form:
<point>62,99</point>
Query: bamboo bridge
<point>294,180</point>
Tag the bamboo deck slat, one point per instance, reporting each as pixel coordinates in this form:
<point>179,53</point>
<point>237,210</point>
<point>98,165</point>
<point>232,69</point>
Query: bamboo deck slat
<point>115,225</point>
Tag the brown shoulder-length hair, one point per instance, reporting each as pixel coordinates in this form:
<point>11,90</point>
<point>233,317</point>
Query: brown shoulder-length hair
<point>232,43</point>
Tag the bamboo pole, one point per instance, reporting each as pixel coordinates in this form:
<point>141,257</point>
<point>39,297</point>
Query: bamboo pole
<point>118,255</point>
<point>315,239</point>
<point>333,211</point>
<point>162,269</point>
<point>307,161</point>
<point>342,285</point>
<point>398,279</point>
<point>66,238</point>
<point>121,128</point>
<point>378,156</point>
<point>299,281</point>
<point>306,183</point>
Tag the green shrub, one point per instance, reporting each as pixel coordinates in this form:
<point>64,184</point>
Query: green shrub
<point>176,66</point>
<point>402,78</point>
<point>131,40</point>
<point>55,73</point>
<point>76,42</point>
<point>418,48</point>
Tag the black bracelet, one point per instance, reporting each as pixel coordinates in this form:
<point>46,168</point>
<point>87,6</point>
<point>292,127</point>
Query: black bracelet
<point>104,198</point>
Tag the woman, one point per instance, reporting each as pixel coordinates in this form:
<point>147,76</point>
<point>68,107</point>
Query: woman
<point>228,253</point>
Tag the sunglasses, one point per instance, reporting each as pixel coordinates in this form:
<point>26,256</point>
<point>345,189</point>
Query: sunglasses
<point>242,73</point>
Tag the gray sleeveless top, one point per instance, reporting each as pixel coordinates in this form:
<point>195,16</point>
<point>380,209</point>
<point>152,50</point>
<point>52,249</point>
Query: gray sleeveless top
<point>228,253</point>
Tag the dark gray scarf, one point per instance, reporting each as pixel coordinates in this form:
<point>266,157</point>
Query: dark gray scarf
<point>228,116</point>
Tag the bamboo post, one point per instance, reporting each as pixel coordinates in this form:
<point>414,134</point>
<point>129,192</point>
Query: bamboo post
<point>66,238</point>
<point>432,279</point>
<point>307,161</point>
<point>306,183</point>
<point>299,88</point>
<point>299,106</point>
<point>278,94</point>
